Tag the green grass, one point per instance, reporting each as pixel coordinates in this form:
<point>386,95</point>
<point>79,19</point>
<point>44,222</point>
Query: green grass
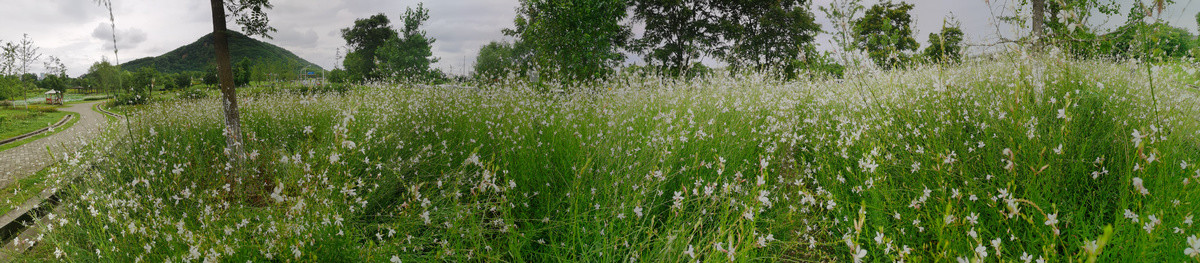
<point>20,191</point>
<point>17,121</point>
<point>964,162</point>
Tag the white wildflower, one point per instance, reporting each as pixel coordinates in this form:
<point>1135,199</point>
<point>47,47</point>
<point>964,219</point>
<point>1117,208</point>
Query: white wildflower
<point>1137,184</point>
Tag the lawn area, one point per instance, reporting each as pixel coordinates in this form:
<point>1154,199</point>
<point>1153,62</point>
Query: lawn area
<point>15,121</point>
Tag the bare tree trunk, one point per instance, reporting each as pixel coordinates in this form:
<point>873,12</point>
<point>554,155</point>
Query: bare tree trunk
<point>1039,14</point>
<point>233,124</point>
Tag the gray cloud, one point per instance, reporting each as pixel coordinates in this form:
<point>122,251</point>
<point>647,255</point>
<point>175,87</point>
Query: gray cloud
<point>296,38</point>
<point>126,38</point>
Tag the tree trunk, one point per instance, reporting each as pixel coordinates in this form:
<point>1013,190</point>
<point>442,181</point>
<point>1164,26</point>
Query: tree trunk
<point>1039,14</point>
<point>233,124</point>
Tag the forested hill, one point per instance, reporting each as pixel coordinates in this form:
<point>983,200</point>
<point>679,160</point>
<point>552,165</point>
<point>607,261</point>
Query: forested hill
<point>200,55</point>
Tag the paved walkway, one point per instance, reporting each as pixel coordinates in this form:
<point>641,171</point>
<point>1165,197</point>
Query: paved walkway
<point>27,159</point>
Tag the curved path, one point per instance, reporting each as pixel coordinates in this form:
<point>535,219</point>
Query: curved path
<point>27,159</point>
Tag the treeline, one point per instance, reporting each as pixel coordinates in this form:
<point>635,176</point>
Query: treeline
<point>137,86</point>
<point>581,40</point>
<point>379,52</point>
<point>575,41</point>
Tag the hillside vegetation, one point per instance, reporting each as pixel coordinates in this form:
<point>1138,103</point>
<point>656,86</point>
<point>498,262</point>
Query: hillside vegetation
<point>199,56</point>
<point>1020,158</point>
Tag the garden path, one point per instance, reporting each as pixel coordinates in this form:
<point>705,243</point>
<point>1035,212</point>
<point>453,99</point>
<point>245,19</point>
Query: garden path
<point>27,159</point>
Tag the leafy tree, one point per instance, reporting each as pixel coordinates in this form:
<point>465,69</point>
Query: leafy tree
<point>572,40</point>
<point>677,32</point>
<point>8,59</point>
<point>143,80</point>
<point>885,32</point>
<point>766,34</point>
<point>242,73</point>
<point>104,76</point>
<point>945,46</point>
<point>1154,40</point>
<point>53,82</point>
<point>10,88</point>
<point>364,39</point>
<point>495,61</point>
<point>338,76</point>
<point>210,77</point>
<point>410,54</point>
<point>182,80</point>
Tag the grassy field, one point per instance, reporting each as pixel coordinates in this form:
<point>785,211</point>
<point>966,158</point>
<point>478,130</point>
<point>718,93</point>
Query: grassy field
<point>17,121</point>
<point>1016,159</point>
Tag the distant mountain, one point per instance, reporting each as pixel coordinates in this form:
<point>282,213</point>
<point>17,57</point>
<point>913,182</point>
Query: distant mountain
<point>199,55</point>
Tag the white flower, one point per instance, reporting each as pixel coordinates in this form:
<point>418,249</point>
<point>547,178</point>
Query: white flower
<point>333,158</point>
<point>859,255</point>
<point>637,211</point>
<point>395,259</point>
<point>348,144</point>
<point>1091,247</point>
<point>1193,249</point>
<point>1137,184</point>
<point>1051,219</point>
<point>981,251</point>
<point>762,197</point>
<point>691,252</point>
<point>1137,138</point>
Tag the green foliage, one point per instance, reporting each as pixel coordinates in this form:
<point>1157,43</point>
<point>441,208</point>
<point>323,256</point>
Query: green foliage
<point>1148,40</point>
<point>54,82</point>
<point>10,88</point>
<point>143,80</point>
<point>495,61</point>
<point>104,76</point>
<point>945,46</point>
<point>409,55</point>
<point>338,76</point>
<point>210,77</point>
<point>776,38</point>
<point>193,93</point>
<point>241,73</point>
<point>676,32</point>
<point>198,55</point>
<point>364,39</point>
<point>885,33</point>
<point>571,40</point>
<point>182,80</point>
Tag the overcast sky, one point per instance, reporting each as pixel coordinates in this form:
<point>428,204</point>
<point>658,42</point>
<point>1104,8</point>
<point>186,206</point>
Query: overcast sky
<point>77,31</point>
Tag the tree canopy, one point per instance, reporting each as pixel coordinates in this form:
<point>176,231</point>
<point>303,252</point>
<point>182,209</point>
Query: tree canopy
<point>885,32</point>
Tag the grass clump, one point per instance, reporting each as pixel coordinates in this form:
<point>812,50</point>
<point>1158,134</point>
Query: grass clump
<point>1013,159</point>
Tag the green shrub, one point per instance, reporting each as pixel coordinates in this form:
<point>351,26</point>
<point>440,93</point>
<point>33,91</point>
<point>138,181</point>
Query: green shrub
<point>43,108</point>
<point>129,99</point>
